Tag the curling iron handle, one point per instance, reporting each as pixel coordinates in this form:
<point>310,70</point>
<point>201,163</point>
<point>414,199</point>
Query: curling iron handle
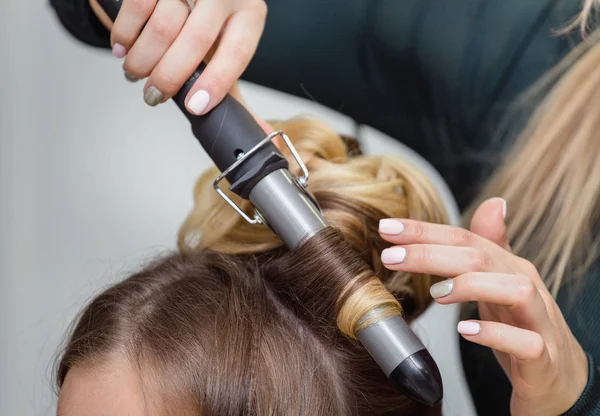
<point>225,132</point>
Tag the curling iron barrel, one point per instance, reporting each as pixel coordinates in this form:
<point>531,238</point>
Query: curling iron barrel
<point>256,170</point>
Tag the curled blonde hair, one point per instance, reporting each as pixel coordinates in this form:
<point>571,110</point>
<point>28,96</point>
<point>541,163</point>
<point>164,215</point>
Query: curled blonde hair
<point>353,192</point>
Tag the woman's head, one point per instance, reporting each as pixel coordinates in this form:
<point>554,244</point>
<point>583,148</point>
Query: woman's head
<point>354,193</point>
<point>237,324</point>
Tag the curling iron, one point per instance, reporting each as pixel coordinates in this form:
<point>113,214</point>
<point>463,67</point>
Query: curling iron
<point>257,171</point>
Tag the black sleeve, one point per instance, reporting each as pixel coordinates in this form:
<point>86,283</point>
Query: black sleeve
<point>81,22</point>
<point>589,402</point>
<point>434,74</point>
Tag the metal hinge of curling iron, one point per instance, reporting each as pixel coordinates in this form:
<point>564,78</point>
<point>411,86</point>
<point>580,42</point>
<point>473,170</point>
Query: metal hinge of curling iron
<point>301,182</point>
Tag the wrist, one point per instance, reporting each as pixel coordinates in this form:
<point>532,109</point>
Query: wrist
<point>577,381</point>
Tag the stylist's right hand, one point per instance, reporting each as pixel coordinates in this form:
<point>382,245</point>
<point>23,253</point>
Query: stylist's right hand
<point>165,42</point>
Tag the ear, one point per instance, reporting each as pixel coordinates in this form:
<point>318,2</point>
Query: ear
<point>489,222</point>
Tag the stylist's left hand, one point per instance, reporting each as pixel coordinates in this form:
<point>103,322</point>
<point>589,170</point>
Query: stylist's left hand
<point>520,320</point>
<point>165,42</point>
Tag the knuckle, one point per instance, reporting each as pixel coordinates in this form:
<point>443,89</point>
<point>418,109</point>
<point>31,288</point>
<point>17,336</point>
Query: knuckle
<point>419,232</point>
<point>140,6</point>
<point>479,261</point>
<point>421,254</point>
<point>163,28</point>
<point>527,267</point>
<point>526,291</point>
<point>536,348</point>
<point>460,237</point>
<point>200,38</point>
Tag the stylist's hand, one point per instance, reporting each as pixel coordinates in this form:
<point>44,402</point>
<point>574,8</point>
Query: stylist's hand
<point>520,320</point>
<point>163,41</point>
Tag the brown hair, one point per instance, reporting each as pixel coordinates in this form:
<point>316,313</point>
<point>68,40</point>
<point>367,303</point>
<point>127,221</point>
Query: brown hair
<point>237,325</point>
<point>353,192</point>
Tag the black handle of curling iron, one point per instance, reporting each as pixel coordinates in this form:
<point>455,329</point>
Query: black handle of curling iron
<point>226,132</point>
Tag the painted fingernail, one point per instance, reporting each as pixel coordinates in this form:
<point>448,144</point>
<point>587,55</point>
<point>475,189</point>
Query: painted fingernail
<point>468,328</point>
<point>390,226</point>
<point>130,77</point>
<point>441,289</point>
<point>198,102</point>
<point>153,96</point>
<point>393,255</point>
<point>119,50</point>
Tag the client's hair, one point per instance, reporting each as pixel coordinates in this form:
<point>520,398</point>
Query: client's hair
<point>237,324</point>
<point>354,193</point>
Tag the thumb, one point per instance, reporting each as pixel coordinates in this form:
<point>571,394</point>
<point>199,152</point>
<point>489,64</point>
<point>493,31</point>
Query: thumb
<point>488,222</point>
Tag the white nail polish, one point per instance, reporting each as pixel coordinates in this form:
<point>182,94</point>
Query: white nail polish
<point>468,328</point>
<point>441,289</point>
<point>393,255</point>
<point>198,102</point>
<point>390,226</point>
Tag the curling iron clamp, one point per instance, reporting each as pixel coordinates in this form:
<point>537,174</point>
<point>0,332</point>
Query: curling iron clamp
<point>257,171</point>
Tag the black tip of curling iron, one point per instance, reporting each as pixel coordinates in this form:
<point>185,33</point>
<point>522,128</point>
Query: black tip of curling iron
<point>419,378</point>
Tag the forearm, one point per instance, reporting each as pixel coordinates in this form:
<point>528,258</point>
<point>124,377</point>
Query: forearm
<point>589,402</point>
<point>78,18</point>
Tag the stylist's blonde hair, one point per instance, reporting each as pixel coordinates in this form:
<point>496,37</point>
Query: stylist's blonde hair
<point>354,192</point>
<point>551,176</point>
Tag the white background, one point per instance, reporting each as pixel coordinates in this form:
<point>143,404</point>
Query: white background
<point>93,181</point>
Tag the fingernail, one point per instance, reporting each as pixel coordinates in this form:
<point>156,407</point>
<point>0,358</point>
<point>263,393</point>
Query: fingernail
<point>390,226</point>
<point>119,50</point>
<point>441,289</point>
<point>198,102</point>
<point>130,77</point>
<point>468,328</point>
<point>393,255</point>
<point>153,96</point>
<point>503,207</point>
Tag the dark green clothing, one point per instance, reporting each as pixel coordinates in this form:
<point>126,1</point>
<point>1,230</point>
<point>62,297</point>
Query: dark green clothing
<point>434,74</point>
<point>438,75</point>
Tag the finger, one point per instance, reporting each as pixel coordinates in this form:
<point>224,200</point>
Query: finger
<point>236,47</point>
<point>489,222</point>
<point>440,260</point>
<point>128,25</point>
<point>517,293</point>
<point>404,231</point>
<point>527,347</point>
<point>162,29</point>
<point>187,51</point>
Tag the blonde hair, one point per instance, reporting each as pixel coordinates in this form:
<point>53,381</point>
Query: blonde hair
<point>354,194</point>
<point>584,20</point>
<point>551,176</point>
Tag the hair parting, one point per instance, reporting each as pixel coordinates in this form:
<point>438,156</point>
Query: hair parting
<point>235,323</point>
